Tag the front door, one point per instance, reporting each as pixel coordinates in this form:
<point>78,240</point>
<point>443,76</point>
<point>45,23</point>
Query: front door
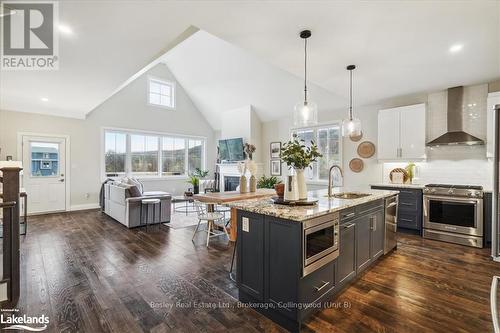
<point>44,174</point>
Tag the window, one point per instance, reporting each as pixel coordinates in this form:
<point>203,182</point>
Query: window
<point>142,154</point>
<point>173,156</point>
<point>115,153</point>
<point>162,93</point>
<point>195,154</point>
<point>328,140</point>
<point>44,159</point>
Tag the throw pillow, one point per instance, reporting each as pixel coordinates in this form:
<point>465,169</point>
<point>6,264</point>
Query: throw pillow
<point>136,182</point>
<point>134,191</point>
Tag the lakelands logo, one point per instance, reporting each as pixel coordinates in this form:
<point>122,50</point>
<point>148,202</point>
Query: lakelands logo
<point>27,323</point>
<point>29,35</point>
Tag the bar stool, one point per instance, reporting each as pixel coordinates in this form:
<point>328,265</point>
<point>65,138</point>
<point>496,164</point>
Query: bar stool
<point>224,209</point>
<point>211,218</point>
<point>146,203</point>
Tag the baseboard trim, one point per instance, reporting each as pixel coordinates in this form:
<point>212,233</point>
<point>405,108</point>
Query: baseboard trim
<point>84,207</point>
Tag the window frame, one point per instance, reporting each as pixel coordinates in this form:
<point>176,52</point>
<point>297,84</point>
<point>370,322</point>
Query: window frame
<point>315,130</point>
<point>160,136</point>
<point>173,90</point>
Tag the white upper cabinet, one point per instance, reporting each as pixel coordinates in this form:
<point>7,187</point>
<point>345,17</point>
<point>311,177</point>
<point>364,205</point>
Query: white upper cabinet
<point>388,134</point>
<point>493,99</point>
<point>401,133</point>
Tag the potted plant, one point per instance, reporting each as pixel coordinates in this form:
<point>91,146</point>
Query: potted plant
<point>273,183</point>
<point>298,156</point>
<point>194,179</point>
<point>268,182</point>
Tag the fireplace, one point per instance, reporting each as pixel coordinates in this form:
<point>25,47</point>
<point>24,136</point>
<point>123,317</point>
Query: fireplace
<point>229,175</point>
<point>231,183</point>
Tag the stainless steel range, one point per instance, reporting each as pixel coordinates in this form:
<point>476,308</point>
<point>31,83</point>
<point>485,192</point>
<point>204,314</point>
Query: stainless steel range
<point>454,213</point>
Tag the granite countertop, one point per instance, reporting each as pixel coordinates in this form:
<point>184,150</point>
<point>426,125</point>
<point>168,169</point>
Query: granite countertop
<point>324,206</point>
<point>415,186</point>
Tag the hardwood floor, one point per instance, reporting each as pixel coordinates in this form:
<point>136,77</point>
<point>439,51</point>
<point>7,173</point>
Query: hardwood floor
<point>90,274</point>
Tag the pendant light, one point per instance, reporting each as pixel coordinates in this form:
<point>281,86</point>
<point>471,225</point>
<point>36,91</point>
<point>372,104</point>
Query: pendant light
<point>351,126</point>
<point>306,112</point>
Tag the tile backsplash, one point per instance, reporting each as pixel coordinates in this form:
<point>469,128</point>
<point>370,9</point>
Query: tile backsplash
<point>451,165</point>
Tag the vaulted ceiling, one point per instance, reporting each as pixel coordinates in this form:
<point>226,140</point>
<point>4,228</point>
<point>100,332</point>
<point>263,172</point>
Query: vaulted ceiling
<point>249,52</point>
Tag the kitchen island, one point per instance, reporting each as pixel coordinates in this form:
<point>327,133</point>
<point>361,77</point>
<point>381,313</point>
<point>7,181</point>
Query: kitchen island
<point>293,260</point>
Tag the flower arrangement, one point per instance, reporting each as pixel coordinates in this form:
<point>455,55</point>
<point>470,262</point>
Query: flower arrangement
<point>297,155</point>
<point>249,149</point>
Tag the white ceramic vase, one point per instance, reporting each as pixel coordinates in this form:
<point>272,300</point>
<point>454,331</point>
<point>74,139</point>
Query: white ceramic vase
<point>301,184</point>
<point>291,188</point>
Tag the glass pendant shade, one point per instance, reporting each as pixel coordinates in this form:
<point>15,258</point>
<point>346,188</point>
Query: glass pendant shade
<point>351,127</point>
<point>305,114</point>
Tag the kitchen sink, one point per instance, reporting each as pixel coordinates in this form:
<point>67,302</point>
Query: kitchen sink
<point>349,195</point>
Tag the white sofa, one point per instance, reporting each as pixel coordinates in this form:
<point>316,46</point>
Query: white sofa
<point>127,210</point>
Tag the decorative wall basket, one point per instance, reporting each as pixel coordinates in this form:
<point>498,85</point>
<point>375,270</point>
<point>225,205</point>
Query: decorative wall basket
<point>366,149</point>
<point>356,165</point>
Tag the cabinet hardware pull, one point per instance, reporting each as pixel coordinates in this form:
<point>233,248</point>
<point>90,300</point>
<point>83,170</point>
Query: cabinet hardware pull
<point>347,226</point>
<point>325,283</point>
<point>373,223</point>
<point>349,215</point>
<point>406,204</point>
<point>407,220</point>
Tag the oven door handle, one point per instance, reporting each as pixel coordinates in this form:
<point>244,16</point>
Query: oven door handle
<point>493,303</point>
<point>474,201</point>
<point>320,227</point>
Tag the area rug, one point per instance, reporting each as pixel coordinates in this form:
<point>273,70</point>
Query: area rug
<point>179,221</point>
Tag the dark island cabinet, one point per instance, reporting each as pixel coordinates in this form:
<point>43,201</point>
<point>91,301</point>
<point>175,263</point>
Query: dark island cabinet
<point>251,253</point>
<point>369,237</point>
<point>363,233</point>
<point>270,261</point>
<point>409,207</point>
<point>377,237</point>
<point>346,262</point>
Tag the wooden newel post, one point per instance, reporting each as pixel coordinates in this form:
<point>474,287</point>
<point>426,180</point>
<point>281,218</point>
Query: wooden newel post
<point>10,234</point>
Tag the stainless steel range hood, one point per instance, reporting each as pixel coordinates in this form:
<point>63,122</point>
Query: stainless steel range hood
<point>455,134</point>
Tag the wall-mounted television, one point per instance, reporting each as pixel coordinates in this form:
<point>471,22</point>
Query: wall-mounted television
<point>231,150</point>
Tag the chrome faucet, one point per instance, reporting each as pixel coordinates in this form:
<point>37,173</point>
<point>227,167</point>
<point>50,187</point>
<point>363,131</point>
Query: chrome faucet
<point>335,166</point>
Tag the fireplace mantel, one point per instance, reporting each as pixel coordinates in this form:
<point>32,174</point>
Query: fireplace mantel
<point>231,170</point>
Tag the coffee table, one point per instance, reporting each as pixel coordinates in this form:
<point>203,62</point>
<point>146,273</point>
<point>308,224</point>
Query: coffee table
<point>187,207</point>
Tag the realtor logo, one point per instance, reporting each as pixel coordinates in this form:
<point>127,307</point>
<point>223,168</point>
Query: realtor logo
<point>29,36</point>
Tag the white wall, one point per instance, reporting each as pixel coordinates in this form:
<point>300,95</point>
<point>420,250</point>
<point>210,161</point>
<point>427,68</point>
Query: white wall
<point>243,122</point>
<point>444,165</point>
<point>451,165</point>
<point>127,109</point>
<point>280,131</point>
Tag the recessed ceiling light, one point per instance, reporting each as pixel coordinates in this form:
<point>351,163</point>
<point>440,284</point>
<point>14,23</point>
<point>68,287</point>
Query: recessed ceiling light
<point>65,29</point>
<point>44,99</point>
<point>456,48</point>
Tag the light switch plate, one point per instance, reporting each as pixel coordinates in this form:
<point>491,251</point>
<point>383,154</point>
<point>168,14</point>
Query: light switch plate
<point>245,225</point>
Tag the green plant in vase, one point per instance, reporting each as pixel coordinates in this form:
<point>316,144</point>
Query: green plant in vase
<point>410,168</point>
<point>268,182</point>
<point>298,156</point>
<point>195,181</point>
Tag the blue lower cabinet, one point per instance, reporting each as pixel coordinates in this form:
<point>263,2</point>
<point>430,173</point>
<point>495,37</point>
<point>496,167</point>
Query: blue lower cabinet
<point>270,262</point>
<point>346,262</point>
<point>410,213</point>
